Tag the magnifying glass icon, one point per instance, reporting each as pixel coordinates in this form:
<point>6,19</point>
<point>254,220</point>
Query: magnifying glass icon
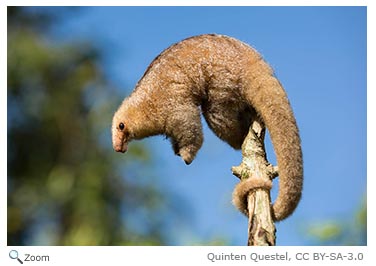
<point>13,254</point>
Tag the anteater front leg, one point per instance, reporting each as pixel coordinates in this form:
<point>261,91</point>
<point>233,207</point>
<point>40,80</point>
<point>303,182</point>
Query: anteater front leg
<point>185,131</point>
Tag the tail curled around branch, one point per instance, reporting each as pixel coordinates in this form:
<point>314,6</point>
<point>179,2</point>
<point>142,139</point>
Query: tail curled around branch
<point>270,100</point>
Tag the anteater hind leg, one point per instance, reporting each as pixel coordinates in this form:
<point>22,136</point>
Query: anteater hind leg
<point>229,120</point>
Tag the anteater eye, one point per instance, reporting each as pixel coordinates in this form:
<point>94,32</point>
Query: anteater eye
<point>121,126</point>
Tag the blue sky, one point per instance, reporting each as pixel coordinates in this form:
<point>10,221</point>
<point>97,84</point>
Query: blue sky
<point>320,56</point>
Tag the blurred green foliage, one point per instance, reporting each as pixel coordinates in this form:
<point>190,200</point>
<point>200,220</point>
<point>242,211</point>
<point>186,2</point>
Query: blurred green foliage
<point>66,186</point>
<point>351,231</point>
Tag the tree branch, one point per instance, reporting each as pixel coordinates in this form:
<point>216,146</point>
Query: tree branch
<point>252,194</point>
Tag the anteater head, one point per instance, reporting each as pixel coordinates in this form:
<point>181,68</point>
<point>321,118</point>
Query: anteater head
<point>120,134</point>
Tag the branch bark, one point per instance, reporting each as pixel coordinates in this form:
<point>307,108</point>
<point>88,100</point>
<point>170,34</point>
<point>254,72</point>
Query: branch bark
<point>252,194</point>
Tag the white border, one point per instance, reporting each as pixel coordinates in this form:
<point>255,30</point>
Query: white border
<point>3,132</point>
<point>190,3</point>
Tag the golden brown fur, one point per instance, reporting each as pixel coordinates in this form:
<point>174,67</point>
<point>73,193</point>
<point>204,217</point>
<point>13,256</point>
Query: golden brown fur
<point>230,84</point>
